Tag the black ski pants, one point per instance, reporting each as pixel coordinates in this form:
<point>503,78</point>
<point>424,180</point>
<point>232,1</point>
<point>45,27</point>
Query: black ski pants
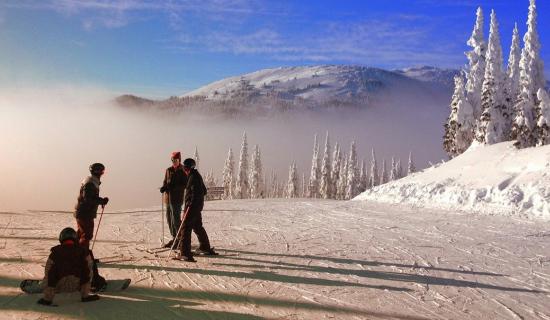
<point>193,223</point>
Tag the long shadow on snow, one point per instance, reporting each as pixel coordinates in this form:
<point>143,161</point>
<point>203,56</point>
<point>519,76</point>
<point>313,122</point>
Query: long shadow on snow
<point>258,275</point>
<point>362,262</point>
<point>151,303</point>
<point>57,239</point>
<point>383,275</point>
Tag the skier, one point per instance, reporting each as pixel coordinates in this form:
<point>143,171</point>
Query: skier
<point>192,216</point>
<point>67,269</point>
<point>174,184</point>
<point>85,213</point>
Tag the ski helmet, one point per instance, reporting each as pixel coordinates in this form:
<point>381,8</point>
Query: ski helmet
<point>96,167</point>
<point>67,234</point>
<point>189,163</point>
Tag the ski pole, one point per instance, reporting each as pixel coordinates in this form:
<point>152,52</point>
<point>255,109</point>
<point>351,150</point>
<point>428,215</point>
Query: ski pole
<point>98,224</point>
<point>162,219</point>
<point>178,239</point>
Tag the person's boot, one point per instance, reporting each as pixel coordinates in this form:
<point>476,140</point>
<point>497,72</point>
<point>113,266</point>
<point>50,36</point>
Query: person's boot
<point>181,257</point>
<point>45,302</point>
<point>206,252</point>
<point>92,297</point>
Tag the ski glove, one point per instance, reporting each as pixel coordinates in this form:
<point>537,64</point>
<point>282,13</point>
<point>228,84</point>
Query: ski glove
<point>163,189</point>
<point>104,201</point>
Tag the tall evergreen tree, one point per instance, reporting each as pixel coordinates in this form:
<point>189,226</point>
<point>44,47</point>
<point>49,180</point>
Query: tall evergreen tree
<point>459,129</point>
<point>196,157</point>
<point>255,178</point>
<point>411,168</point>
<point>335,174</point>
<point>476,70</point>
<point>228,175</point>
<point>373,180</point>
<point>273,188</point>
<point>531,80</point>
<point>325,184</point>
<point>304,186</point>
<point>353,178</point>
<point>513,74</point>
<point>491,125</point>
<point>242,186</point>
<point>393,170</point>
<point>292,185</point>
<point>342,180</point>
<point>363,180</point>
<point>543,122</point>
<point>315,171</point>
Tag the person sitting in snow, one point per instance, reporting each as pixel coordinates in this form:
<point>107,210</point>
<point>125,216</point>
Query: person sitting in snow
<point>68,269</point>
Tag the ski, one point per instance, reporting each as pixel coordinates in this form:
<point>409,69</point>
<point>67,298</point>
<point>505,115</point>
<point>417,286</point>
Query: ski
<point>33,286</point>
<point>153,250</point>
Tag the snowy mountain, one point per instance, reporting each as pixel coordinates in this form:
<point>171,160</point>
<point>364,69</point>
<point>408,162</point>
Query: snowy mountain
<point>496,179</point>
<point>314,87</point>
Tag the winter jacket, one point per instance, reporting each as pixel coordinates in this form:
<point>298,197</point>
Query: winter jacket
<point>88,199</point>
<point>68,260</point>
<point>174,183</point>
<point>194,194</point>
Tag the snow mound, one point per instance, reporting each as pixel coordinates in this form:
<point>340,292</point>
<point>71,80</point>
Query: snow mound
<point>497,179</point>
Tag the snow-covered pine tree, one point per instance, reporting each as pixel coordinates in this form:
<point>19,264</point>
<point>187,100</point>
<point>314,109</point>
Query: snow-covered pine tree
<point>292,185</point>
<point>273,188</point>
<point>313,189</point>
<point>491,125</point>
<point>304,186</point>
<point>512,86</point>
<point>383,174</point>
<point>399,169</point>
<point>196,157</point>
<point>459,129</point>
<point>543,122</point>
<point>342,179</point>
<point>324,185</point>
<point>393,170</point>
<point>255,177</point>
<point>335,174</point>
<point>476,71</point>
<point>531,80</point>
<point>228,174</point>
<point>411,168</point>
<point>210,180</point>
<point>363,180</point>
<point>353,178</point>
<point>373,179</point>
<point>242,186</point>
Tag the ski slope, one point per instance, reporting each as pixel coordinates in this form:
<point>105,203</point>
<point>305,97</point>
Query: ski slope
<point>297,259</point>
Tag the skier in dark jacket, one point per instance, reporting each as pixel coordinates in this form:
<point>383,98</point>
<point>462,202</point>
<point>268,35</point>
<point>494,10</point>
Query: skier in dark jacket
<point>192,216</point>
<point>173,186</point>
<point>85,213</point>
<point>68,269</point>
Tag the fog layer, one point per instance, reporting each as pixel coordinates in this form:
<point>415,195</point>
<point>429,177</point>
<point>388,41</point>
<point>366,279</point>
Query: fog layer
<point>49,137</point>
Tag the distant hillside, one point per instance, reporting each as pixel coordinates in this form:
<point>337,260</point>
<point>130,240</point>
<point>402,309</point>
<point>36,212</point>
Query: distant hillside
<point>312,88</point>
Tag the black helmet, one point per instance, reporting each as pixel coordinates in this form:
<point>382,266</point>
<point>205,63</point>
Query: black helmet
<point>66,234</point>
<point>97,167</point>
<point>189,163</point>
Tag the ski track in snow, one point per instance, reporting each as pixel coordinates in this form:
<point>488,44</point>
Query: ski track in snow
<point>297,259</point>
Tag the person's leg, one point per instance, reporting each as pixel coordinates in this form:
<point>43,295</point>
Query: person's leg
<point>48,292</point>
<point>169,220</point>
<point>85,231</point>
<point>204,242</point>
<point>185,242</point>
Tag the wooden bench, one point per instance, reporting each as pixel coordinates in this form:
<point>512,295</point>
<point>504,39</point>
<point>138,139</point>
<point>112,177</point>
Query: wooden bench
<point>215,193</point>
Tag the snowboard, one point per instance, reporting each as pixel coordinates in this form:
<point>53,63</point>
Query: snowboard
<point>33,285</point>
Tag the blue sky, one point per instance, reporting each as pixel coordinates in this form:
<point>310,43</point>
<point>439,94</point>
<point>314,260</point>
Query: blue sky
<point>160,48</point>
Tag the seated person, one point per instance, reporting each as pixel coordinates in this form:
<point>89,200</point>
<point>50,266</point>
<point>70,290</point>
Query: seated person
<point>68,269</point>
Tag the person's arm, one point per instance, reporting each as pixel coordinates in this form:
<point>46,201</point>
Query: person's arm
<point>51,271</point>
<point>164,187</point>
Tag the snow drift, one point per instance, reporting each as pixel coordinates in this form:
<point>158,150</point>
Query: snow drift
<point>496,179</point>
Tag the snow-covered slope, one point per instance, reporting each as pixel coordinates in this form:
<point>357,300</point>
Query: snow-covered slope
<point>319,83</point>
<point>443,77</point>
<point>496,179</point>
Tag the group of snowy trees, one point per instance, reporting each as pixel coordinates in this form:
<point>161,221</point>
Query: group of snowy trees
<point>339,176</point>
<point>493,104</point>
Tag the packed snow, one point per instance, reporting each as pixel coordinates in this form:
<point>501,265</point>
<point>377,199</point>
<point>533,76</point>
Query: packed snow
<point>496,179</point>
<point>296,259</point>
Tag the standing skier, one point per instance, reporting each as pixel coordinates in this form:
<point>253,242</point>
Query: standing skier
<point>85,213</point>
<point>67,269</point>
<point>192,216</point>
<point>174,184</point>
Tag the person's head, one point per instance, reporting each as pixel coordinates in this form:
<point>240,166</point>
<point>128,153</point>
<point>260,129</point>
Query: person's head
<point>68,234</point>
<point>97,169</point>
<point>188,165</point>
<point>176,158</point>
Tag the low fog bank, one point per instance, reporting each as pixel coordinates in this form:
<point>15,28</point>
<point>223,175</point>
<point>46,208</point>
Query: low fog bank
<point>50,136</point>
